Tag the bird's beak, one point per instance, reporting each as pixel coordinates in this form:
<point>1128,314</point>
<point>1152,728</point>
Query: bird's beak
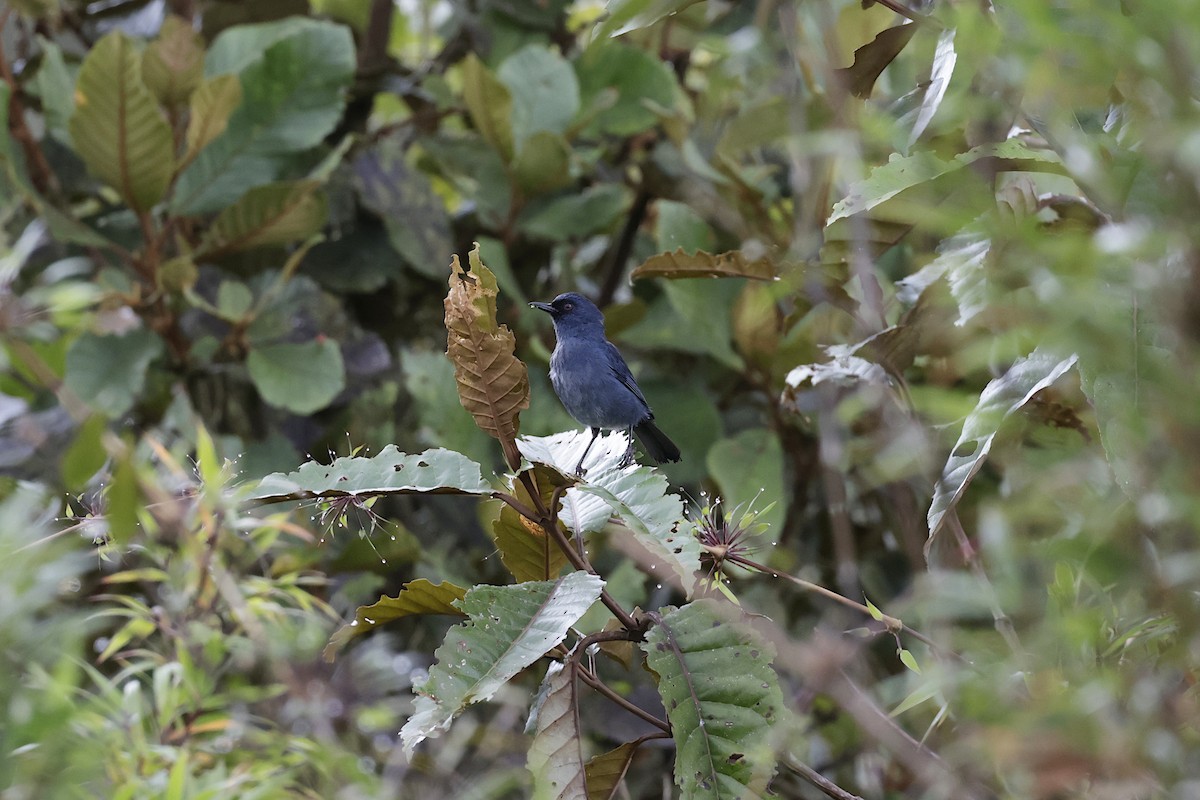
<point>549,309</point>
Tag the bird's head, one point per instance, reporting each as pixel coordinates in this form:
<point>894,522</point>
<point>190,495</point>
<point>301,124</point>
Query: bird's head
<point>572,312</point>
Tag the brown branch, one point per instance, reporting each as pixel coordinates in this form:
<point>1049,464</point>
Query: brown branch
<point>600,686</point>
<point>827,787</point>
<point>40,173</point>
<point>620,253</point>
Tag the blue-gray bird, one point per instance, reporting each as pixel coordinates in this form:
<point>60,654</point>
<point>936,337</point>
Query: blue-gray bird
<point>594,383</point>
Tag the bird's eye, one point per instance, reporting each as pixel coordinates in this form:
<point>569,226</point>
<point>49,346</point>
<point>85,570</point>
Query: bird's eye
<point>568,306</point>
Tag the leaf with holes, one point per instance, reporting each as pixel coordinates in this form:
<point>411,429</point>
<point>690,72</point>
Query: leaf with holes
<point>999,400</point>
<point>681,264</point>
<point>275,214</point>
<point>434,471</point>
<point>722,698</point>
<point>493,383</point>
<point>508,629</point>
<point>556,755</point>
<point>415,598</point>
<point>117,128</point>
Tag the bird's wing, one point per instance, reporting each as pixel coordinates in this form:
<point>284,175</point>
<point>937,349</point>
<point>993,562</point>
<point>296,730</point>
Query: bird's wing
<point>621,370</point>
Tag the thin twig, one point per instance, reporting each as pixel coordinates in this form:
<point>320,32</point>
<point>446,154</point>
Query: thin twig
<point>43,177</point>
<point>827,787</point>
<point>600,686</point>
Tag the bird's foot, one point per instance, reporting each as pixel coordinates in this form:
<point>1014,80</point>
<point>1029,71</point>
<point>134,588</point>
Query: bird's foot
<point>627,459</point>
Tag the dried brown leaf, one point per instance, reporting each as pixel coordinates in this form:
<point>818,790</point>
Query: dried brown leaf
<point>681,264</point>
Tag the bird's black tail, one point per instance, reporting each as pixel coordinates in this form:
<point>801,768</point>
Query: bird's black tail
<point>655,442</point>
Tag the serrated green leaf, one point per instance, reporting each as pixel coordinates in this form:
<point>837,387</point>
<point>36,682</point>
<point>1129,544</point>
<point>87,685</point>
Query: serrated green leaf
<point>108,372</point>
<point>391,471</point>
<point>722,698</point>
<point>509,628</point>
<point>271,215</point>
<point>293,76</point>
<point>415,598</point>
<point>556,754</point>
<point>490,105</point>
<point>301,378</point>
<point>117,128</point>
<point>1000,399</point>
<point>173,64</point>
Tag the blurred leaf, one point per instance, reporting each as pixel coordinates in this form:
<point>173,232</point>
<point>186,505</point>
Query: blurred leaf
<point>757,322</point>
<point>56,89</point>
<point>109,372</point>
<point>117,128</point>
<point>680,264</point>
<point>275,214</point>
<point>301,378</point>
<point>625,16</point>
<point>606,771</point>
<point>556,753</point>
<point>86,455</point>
<point>391,471</point>
<point>944,59</point>
<point>294,74</point>
<point>543,164</point>
<point>634,77</point>
<point>544,91</point>
<point>509,628</point>
<point>429,380</point>
<point>493,383</point>
<point>212,104</point>
<point>490,105</point>
<point>722,698</point>
<point>173,64</point>
<point>414,215</point>
<point>679,227</point>
<point>904,172</point>
<point>748,468</point>
<point>998,401</point>
<point>873,58</point>
<point>693,316</point>
<point>417,597</point>
<point>122,500</point>
<point>577,214</point>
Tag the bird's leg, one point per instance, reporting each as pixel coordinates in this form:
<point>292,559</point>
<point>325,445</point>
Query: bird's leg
<point>579,466</point>
<point>628,458</point>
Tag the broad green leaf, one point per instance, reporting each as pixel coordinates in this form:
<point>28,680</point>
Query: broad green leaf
<point>275,214</point>
<point>493,383</point>
<point>556,754</point>
<point>605,772</point>
<point>173,64</point>
<point>544,91</point>
<point>681,264</point>
<point>412,212</point>
<point>581,512</point>
<point>211,107</point>
<point>429,379</point>
<point>301,378</point>
<point>637,82</point>
<point>999,400</point>
<point>722,698</point>
<point>749,469</point>
<point>391,471</point>
<point>508,629</point>
<point>234,300</point>
<point>117,128</point>
<point>543,164</point>
<point>692,317</point>
<point>293,74</point>
<point>415,598</point>
<point>625,16</point>
<point>575,215</point>
<point>109,372</point>
<point>678,227</point>
<point>490,105</point>
<point>525,548</point>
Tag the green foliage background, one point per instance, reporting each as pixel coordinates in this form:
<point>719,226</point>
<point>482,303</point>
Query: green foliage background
<point>920,283</point>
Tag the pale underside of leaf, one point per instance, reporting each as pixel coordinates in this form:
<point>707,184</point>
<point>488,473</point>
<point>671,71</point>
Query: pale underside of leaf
<point>556,755</point>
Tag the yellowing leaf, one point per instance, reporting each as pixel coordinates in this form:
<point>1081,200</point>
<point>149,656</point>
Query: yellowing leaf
<point>117,128</point>
<point>493,383</point>
<point>489,104</point>
<point>415,598</point>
